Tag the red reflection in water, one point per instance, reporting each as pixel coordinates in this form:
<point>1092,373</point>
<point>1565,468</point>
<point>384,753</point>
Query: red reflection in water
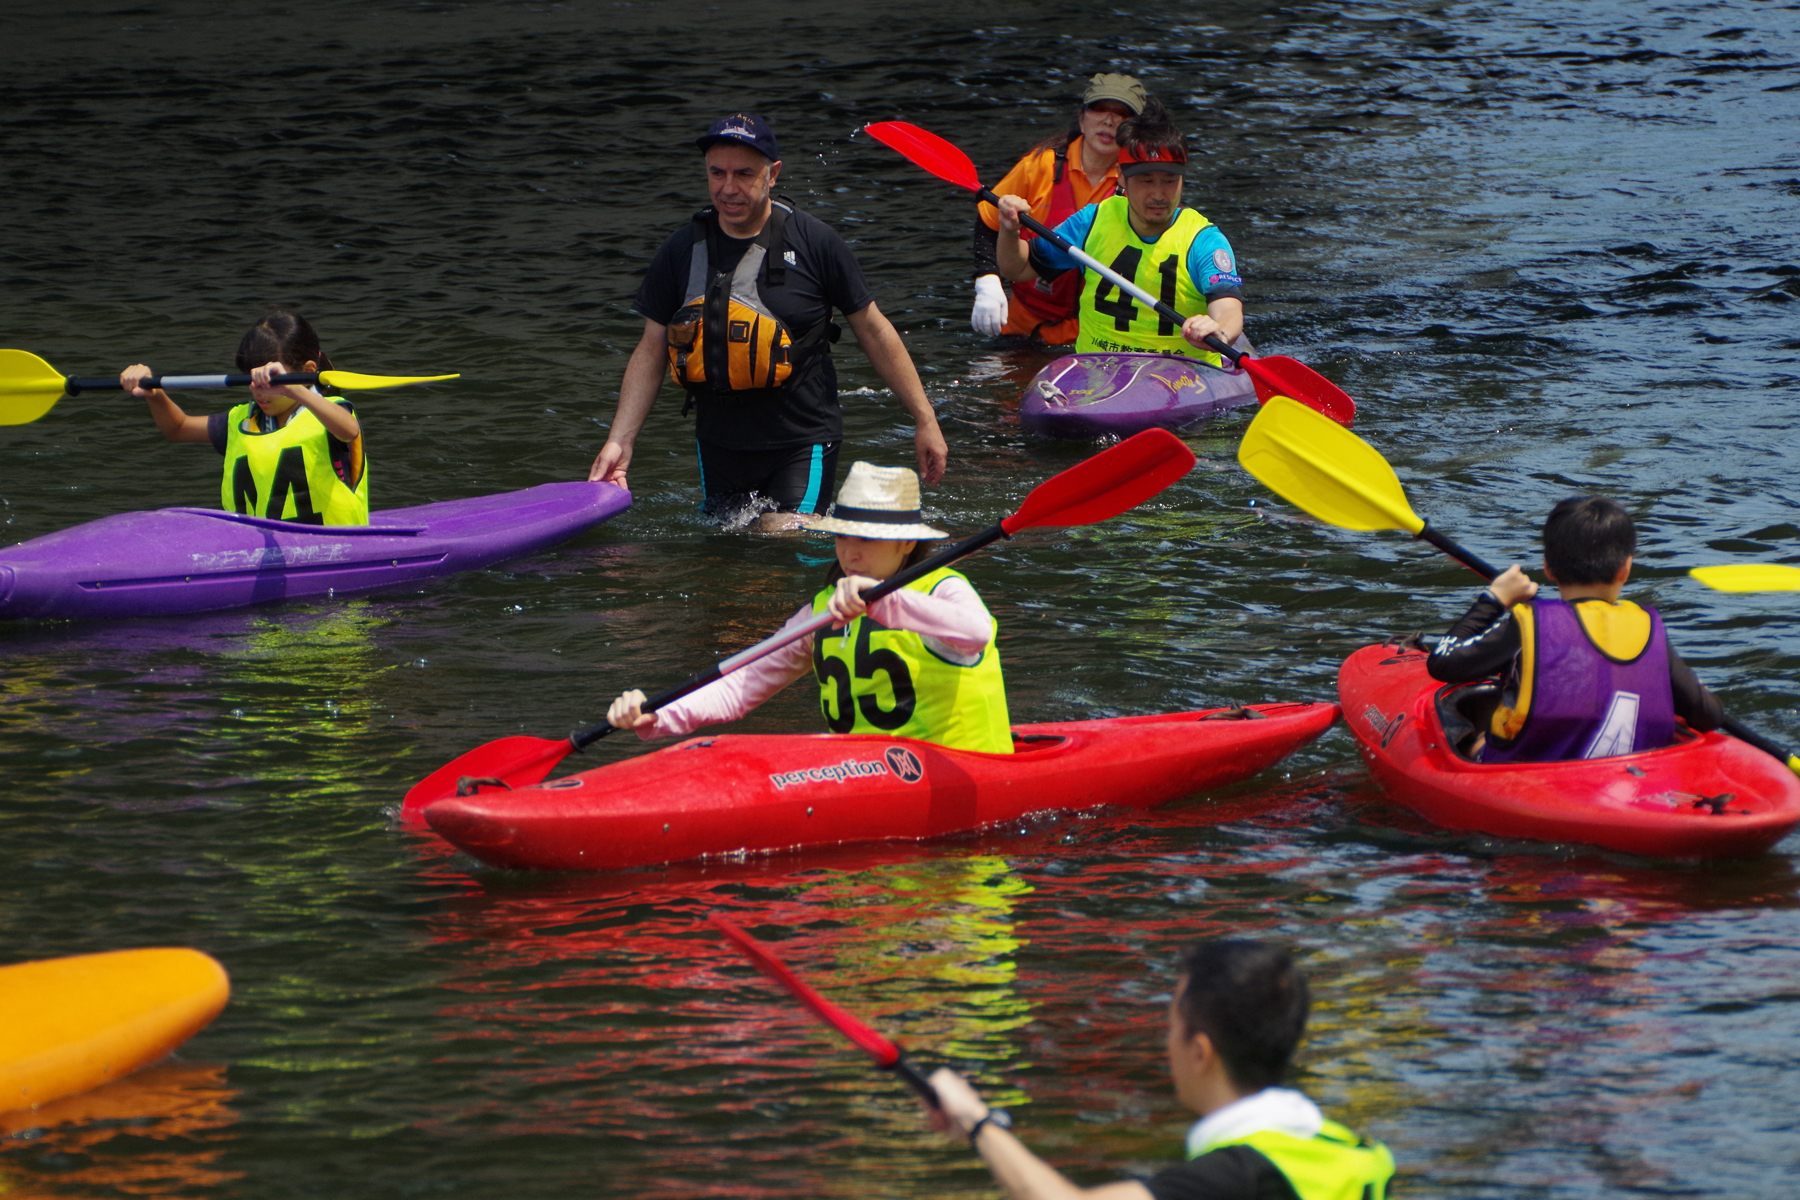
<point>608,996</point>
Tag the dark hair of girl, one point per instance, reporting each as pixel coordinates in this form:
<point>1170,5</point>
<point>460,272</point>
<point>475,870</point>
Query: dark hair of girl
<point>920,553</point>
<point>284,337</point>
<point>1062,139</point>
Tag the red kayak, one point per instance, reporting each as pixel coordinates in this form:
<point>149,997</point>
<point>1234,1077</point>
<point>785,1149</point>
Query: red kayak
<point>736,793</point>
<point>1706,796</point>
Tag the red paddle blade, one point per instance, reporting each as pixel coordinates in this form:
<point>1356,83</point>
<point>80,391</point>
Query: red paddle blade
<point>884,1052</point>
<point>517,761</point>
<point>1279,375</point>
<point>1118,478</point>
<point>928,150</point>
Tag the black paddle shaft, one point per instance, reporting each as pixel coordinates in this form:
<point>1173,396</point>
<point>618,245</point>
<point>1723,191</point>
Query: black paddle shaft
<point>1466,557</point>
<point>583,738</point>
<point>917,1082</point>
<point>75,387</point>
<point>1213,341</point>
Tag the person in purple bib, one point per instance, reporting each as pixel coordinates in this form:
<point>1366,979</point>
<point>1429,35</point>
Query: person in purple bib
<point>1586,675</point>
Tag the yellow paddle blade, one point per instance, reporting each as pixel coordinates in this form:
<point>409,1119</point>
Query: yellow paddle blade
<point>1749,577</point>
<point>355,382</point>
<point>1311,461</point>
<point>29,387</point>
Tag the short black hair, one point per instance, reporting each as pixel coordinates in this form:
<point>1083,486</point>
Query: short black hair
<point>1251,1000</point>
<point>1152,130</point>
<point>1587,539</point>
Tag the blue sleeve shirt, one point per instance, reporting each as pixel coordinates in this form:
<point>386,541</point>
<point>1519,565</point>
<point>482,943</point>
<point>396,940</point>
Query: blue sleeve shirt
<point>1210,262</point>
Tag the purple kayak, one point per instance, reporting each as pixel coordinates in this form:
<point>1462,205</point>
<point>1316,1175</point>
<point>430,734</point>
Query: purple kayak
<point>187,560</point>
<point>1117,395</point>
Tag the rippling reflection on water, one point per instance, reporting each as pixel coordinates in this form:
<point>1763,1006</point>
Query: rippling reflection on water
<point>1548,246</point>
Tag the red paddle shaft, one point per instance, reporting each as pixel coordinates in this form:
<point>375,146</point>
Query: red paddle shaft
<point>886,1054</point>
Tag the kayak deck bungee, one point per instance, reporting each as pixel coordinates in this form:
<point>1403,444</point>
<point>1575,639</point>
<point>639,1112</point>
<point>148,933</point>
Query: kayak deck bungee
<point>1114,395</point>
<point>1706,796</point>
<point>750,793</point>
<point>188,560</point>
<point>70,1024</point>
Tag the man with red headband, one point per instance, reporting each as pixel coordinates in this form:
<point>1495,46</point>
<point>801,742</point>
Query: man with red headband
<point>1144,234</point>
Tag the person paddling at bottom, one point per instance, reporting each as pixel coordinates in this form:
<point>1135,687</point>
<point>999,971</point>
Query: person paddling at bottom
<point>1586,675</point>
<point>920,662</point>
<point>291,454</point>
<point>1238,1014</point>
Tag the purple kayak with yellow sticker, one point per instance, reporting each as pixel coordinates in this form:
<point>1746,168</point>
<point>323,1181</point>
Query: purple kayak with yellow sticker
<point>188,560</point>
<point>1117,395</point>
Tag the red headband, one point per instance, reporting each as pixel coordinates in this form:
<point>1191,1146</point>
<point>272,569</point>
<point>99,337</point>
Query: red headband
<point>1150,158</point>
<point>1152,153</point>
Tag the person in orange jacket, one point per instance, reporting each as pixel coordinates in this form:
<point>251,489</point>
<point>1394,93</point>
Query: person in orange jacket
<point>1065,172</point>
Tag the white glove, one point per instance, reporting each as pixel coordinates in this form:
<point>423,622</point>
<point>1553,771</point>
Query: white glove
<point>989,315</point>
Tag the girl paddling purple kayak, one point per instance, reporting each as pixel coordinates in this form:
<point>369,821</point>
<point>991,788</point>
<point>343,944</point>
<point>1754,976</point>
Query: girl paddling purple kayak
<point>291,453</point>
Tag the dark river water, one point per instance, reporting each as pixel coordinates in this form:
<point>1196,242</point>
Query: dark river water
<point>1550,246</point>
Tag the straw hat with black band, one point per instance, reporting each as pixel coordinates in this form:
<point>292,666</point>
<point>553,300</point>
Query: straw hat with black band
<point>876,502</point>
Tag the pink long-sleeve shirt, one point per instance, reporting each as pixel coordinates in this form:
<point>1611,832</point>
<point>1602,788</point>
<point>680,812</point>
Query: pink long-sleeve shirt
<point>952,620</point>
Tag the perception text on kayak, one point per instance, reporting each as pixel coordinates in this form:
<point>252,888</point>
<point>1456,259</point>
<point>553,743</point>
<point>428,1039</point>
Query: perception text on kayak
<point>836,773</point>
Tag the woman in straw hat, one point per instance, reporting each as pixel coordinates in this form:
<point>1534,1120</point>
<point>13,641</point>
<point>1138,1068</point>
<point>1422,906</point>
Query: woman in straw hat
<point>919,662</point>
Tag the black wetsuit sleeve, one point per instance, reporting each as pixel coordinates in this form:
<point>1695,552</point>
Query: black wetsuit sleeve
<point>1693,702</point>
<point>987,258</point>
<point>1229,1173</point>
<point>216,432</point>
<point>1480,645</point>
<point>1044,269</point>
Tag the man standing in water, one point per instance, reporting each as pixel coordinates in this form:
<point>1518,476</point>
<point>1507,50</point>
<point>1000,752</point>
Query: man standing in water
<point>1237,1016</point>
<point>737,308</point>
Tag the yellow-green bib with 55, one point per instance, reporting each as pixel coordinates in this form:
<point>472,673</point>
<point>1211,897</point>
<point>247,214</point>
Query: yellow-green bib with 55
<point>873,679</point>
<point>286,474</point>
<point>1116,321</point>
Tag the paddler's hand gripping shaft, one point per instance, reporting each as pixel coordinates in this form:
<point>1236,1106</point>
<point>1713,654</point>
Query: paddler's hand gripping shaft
<point>587,736</point>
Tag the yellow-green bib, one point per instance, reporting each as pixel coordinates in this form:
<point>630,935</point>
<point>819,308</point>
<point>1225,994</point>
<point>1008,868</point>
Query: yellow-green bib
<point>873,679</point>
<point>287,474</point>
<point>1334,1164</point>
<point>1116,321</point>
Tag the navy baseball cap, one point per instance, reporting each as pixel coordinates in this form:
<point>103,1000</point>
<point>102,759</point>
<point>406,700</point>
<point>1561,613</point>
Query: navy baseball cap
<point>746,129</point>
